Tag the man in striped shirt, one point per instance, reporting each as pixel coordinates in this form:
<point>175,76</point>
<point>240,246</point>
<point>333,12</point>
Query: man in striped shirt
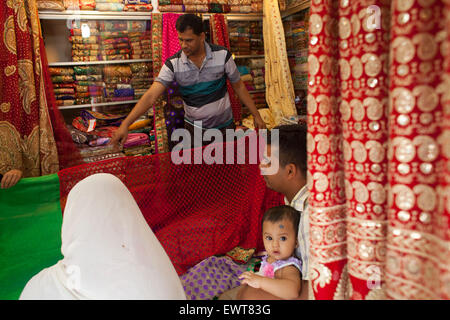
<point>201,71</point>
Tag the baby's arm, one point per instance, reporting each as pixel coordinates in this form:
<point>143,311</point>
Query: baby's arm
<point>286,285</point>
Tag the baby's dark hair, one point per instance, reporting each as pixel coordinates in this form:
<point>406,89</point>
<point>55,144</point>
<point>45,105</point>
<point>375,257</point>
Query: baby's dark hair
<point>279,213</point>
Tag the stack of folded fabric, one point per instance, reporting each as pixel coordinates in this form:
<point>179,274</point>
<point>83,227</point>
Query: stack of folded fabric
<point>246,77</point>
<point>87,4</point>
<point>256,38</point>
<point>257,6</point>
<point>114,40</point>
<point>239,35</point>
<point>89,84</point>
<point>71,4</point>
<point>240,6</point>
<point>141,44</point>
<point>138,5</point>
<point>92,132</point>
<point>118,83</point>
<point>171,6</point>
<point>63,85</point>
<point>196,5</point>
<point>257,71</point>
<point>141,138</point>
<point>84,39</point>
<point>109,5</point>
<point>56,5</point>
<point>141,79</point>
<point>300,41</point>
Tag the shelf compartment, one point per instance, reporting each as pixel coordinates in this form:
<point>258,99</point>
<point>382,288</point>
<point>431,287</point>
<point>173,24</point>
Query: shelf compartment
<point>94,15</point>
<point>86,63</point>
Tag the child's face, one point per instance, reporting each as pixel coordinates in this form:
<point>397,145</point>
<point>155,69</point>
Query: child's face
<point>279,239</point>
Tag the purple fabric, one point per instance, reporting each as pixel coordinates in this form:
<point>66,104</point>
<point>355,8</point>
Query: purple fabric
<point>211,277</point>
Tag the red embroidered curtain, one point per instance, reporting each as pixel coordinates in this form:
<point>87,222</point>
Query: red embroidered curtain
<point>33,137</point>
<point>378,146</point>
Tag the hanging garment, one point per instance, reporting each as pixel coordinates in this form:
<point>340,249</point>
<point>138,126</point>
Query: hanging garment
<point>279,90</point>
<point>170,42</point>
<point>33,137</point>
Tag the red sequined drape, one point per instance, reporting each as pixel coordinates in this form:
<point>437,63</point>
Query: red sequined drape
<point>378,144</point>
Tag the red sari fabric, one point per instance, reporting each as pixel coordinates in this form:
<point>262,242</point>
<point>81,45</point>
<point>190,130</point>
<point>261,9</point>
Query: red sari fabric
<point>378,146</point>
<point>26,133</point>
<point>195,210</point>
<point>219,36</point>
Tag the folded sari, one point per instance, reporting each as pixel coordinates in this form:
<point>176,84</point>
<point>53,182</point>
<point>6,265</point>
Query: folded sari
<point>56,5</point>
<point>62,79</point>
<point>85,46</point>
<point>113,25</point>
<point>78,32</point>
<point>136,139</point>
<point>115,40</point>
<point>58,91</point>
<point>60,71</point>
<point>196,7</point>
<point>115,57</point>
<point>61,103</point>
<point>117,70</point>
<point>71,4</point>
<point>141,56</point>
<point>171,8</point>
<point>63,85</point>
<point>80,53</point>
<point>102,119</point>
<point>79,39</point>
<point>137,1</point>
<point>109,6</point>
<point>85,70</point>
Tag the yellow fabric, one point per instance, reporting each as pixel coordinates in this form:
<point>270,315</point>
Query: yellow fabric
<point>267,117</point>
<point>280,94</point>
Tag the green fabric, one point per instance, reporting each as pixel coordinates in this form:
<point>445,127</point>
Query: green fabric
<point>30,232</point>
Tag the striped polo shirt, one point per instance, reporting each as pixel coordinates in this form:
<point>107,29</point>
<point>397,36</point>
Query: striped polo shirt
<point>204,90</point>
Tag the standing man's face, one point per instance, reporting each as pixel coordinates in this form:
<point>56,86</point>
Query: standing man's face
<point>190,43</point>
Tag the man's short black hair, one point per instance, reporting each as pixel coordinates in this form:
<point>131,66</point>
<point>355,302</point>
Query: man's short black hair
<point>292,145</point>
<point>190,21</point>
<point>279,213</point>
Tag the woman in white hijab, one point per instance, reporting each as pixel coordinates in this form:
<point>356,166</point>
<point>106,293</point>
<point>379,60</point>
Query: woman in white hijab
<point>109,250</point>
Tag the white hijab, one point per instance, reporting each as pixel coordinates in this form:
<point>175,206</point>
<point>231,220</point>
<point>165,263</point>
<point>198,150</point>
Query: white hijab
<point>109,250</point>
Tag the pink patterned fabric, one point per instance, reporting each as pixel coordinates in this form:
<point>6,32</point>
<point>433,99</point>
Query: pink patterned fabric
<point>170,43</point>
